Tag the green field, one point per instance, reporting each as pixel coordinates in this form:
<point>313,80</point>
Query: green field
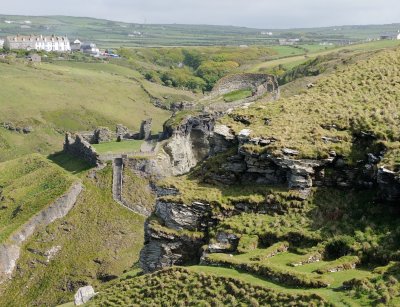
<point>65,96</point>
<point>294,60</point>
<point>237,95</point>
<point>114,34</point>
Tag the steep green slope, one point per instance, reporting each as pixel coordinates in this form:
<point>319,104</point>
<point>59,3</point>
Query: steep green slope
<point>27,186</point>
<point>96,242</point>
<point>339,243</point>
<point>358,99</point>
<point>53,98</point>
<point>183,287</point>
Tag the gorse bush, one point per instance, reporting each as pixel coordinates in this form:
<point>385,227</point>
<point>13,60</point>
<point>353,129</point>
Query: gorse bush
<point>356,100</point>
<point>181,287</point>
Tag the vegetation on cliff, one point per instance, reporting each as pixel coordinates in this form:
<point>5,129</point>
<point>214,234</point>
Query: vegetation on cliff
<point>94,244</point>
<point>28,185</point>
<point>358,102</point>
<point>183,287</point>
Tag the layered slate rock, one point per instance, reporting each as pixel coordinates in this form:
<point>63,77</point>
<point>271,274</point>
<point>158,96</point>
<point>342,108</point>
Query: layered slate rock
<point>163,247</point>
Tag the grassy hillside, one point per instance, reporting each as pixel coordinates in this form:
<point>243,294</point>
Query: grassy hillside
<point>95,243</point>
<point>64,96</point>
<point>115,34</point>
<point>183,287</point>
<point>27,186</point>
<point>307,251</point>
<point>340,246</point>
<point>356,99</point>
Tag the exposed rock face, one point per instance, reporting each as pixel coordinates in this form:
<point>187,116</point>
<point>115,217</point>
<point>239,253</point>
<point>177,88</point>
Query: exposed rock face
<point>222,139</point>
<point>189,142</point>
<point>163,249</point>
<point>152,168</point>
<point>83,295</point>
<point>10,252</point>
<point>180,216</point>
<point>389,185</point>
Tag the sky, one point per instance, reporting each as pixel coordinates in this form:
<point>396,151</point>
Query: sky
<point>265,14</point>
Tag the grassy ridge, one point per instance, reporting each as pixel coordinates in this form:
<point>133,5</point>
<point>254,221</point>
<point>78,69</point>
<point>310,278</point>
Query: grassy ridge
<point>183,287</point>
<point>98,240</point>
<point>28,185</point>
<point>358,98</point>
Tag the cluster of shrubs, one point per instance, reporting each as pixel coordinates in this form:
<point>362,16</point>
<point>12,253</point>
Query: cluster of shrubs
<point>181,287</point>
<point>195,69</point>
<point>381,291</point>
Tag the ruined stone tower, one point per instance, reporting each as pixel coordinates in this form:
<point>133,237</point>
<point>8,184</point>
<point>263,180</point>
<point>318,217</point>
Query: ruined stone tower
<point>145,129</point>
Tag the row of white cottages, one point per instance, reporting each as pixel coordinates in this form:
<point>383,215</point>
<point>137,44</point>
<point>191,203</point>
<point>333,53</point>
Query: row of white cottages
<point>47,43</point>
<point>33,42</point>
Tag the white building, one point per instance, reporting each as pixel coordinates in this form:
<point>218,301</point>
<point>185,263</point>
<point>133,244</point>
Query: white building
<point>1,43</point>
<point>32,42</point>
<point>398,35</point>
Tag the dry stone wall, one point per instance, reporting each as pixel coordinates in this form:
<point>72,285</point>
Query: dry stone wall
<point>79,147</point>
<point>10,251</point>
<point>260,84</point>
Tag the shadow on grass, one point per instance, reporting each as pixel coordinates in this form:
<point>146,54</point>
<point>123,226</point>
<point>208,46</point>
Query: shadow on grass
<point>69,162</point>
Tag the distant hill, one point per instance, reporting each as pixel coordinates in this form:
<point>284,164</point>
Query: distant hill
<point>108,33</point>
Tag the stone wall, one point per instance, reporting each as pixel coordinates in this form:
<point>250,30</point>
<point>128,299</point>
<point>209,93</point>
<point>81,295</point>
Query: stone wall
<point>10,251</point>
<point>260,84</point>
<point>145,129</point>
<point>78,146</point>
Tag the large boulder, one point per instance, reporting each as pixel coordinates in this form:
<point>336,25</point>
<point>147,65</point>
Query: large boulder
<point>83,295</point>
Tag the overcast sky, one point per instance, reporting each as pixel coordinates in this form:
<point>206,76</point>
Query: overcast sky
<point>251,13</point>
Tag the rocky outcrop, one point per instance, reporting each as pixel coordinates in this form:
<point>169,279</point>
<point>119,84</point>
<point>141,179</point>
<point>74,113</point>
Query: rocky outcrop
<point>15,128</point>
<point>389,184</point>
<point>188,143</point>
<point>244,166</point>
<point>83,295</point>
<point>221,139</point>
<point>169,245</point>
<point>10,251</point>
<point>172,243</point>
